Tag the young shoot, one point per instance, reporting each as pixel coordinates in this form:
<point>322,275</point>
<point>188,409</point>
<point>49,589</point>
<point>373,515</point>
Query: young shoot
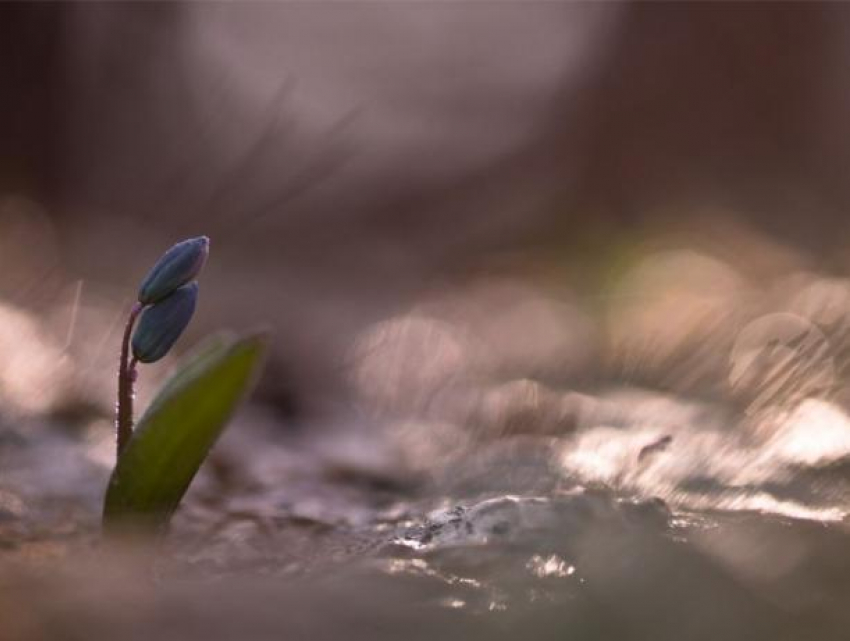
<point>166,304</point>
<point>158,457</point>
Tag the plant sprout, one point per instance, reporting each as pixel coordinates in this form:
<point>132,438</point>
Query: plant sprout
<point>166,303</point>
<point>157,460</point>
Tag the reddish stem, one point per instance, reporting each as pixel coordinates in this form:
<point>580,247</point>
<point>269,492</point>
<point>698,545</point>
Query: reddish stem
<point>126,378</point>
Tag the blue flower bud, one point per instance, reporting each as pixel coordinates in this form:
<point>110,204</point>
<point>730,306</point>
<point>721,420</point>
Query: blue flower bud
<point>179,265</point>
<point>160,325</point>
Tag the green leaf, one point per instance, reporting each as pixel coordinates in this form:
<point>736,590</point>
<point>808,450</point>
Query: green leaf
<point>175,434</point>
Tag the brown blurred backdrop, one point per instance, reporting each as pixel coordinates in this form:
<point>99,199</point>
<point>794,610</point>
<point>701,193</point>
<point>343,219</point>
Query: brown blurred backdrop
<point>345,156</point>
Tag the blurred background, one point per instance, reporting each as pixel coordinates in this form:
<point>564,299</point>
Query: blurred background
<point>508,252</point>
<point>345,158</point>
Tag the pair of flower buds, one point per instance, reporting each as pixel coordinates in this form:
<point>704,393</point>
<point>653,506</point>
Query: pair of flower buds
<point>167,296</point>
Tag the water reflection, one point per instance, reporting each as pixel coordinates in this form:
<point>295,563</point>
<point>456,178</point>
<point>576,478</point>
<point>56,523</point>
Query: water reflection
<point>551,566</point>
<point>459,372</point>
<point>715,466</point>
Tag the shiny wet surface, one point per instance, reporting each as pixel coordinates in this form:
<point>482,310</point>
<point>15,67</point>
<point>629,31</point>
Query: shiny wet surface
<point>511,462</point>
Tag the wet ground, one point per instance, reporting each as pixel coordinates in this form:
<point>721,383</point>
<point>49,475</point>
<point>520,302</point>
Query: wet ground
<point>667,459</point>
<point>501,542</point>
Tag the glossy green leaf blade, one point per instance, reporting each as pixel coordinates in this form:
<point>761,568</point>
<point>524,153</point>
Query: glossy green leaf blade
<point>173,437</point>
<point>195,363</point>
